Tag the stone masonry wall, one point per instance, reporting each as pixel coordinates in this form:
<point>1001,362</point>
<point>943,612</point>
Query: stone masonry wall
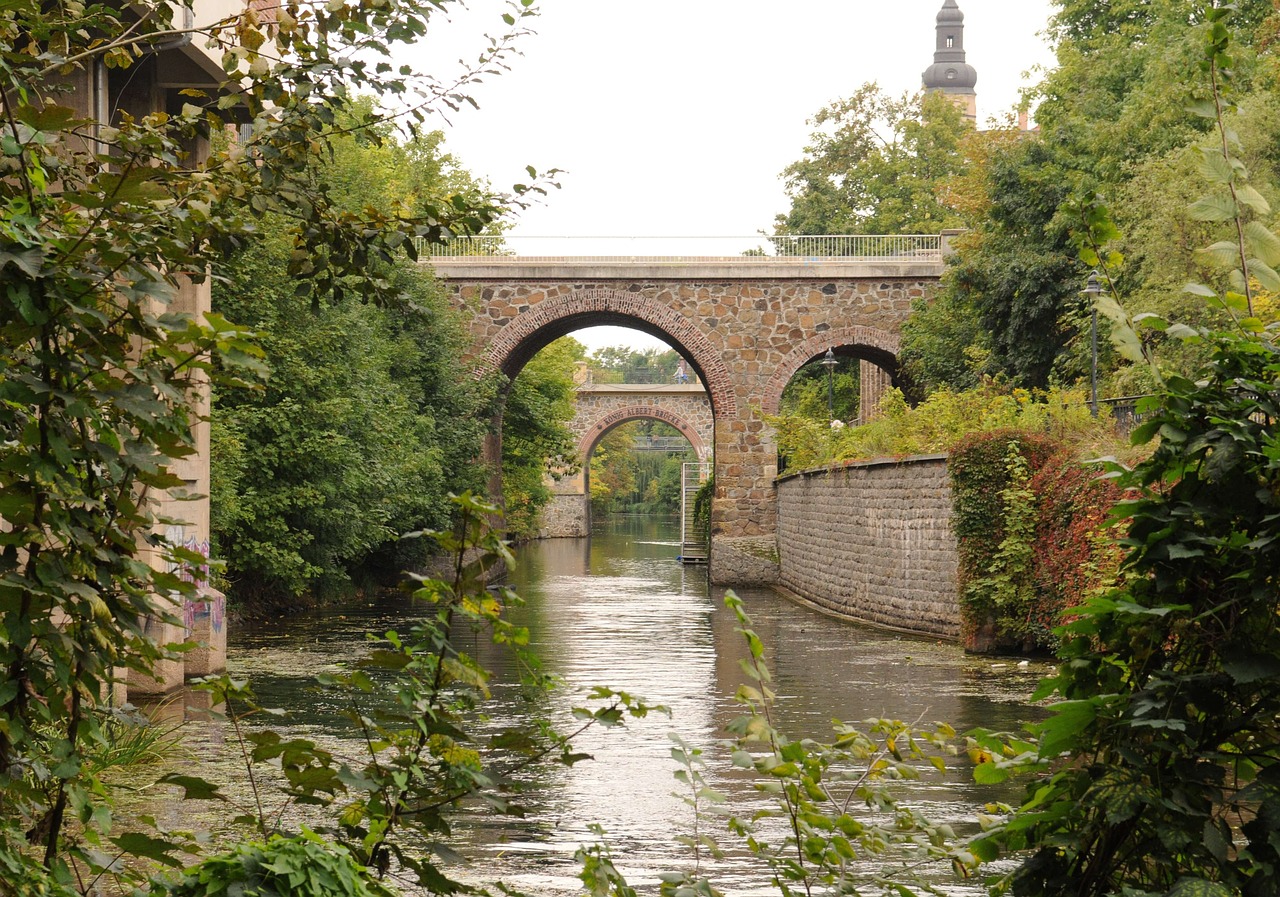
<point>872,541</point>
<point>566,516</point>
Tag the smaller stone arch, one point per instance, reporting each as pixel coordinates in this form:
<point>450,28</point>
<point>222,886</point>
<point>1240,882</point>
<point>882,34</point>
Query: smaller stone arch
<point>879,346</point>
<point>619,416</point>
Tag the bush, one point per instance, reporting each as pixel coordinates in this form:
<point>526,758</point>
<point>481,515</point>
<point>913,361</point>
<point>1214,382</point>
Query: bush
<point>1074,559</point>
<point>944,419</point>
<point>304,866</point>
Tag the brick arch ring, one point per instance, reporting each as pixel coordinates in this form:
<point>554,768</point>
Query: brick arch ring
<point>881,342</point>
<point>586,303</point>
<point>637,412</point>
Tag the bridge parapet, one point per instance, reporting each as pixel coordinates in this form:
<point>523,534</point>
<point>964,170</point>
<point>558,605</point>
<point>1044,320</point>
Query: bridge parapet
<point>758,248</point>
<point>593,269</point>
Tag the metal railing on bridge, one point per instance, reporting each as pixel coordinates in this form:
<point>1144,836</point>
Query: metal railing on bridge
<point>915,247</point>
<point>670,444</point>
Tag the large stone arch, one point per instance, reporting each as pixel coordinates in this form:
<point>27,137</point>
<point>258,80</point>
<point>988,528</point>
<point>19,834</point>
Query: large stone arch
<point>530,330</point>
<point>745,325</point>
<point>879,347</point>
<point>596,431</point>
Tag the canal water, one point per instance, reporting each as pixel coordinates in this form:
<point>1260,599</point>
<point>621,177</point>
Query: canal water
<point>618,609</point>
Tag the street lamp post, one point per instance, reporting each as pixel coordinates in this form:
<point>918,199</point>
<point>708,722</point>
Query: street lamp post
<point>1092,288</point>
<point>829,362</point>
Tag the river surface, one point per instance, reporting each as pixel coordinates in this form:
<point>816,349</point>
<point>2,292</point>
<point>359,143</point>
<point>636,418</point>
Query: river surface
<point>618,609</point>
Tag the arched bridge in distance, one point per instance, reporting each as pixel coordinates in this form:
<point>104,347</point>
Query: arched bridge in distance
<point>745,323</point>
<point>599,407</point>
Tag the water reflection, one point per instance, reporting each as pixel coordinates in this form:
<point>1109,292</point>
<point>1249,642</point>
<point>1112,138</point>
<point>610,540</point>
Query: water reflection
<point>619,610</point>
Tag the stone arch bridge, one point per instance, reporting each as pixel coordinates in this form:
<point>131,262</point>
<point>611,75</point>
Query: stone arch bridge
<point>745,324</point>
<point>600,408</point>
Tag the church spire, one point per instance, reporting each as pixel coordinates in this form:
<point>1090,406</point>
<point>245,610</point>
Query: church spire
<point>949,73</point>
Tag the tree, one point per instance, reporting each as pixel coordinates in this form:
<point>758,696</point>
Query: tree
<point>536,440</point>
<point>1113,124</point>
<point>364,422</point>
<point>613,469</point>
<point>1017,269</point>
<point>1160,762</point>
<point>875,165</point>
<point>806,394</point>
<point>106,224</point>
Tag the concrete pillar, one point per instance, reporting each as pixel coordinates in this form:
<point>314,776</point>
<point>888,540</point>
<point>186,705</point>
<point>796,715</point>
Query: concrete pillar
<point>203,618</point>
<point>166,675</point>
<point>206,624</point>
<point>948,241</point>
<point>874,381</point>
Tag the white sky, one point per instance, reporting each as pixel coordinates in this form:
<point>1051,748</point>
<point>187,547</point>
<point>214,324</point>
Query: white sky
<point>675,117</point>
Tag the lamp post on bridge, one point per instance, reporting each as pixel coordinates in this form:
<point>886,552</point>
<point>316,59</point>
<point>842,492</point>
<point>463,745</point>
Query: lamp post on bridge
<point>1092,289</point>
<point>829,362</point>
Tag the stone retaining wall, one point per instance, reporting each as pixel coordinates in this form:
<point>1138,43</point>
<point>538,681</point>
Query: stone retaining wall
<point>871,541</point>
<point>566,516</point>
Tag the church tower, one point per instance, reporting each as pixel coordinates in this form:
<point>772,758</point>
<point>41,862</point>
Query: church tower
<point>949,72</point>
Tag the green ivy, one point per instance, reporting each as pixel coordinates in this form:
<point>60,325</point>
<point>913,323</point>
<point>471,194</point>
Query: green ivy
<point>993,521</point>
<point>1005,592</point>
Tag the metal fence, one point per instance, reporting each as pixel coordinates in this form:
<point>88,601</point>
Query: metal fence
<point>1124,412</point>
<point>661,444</point>
<point>922,247</point>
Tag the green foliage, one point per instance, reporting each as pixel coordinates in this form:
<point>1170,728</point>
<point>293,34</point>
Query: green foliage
<point>831,805</point>
<point>97,368</point>
<point>1003,592</point>
<point>358,435</point>
<point>875,166</point>
<point>536,440</point>
<point>993,518</point>
<point>806,393</point>
<point>1114,123</point>
<point>415,700</point>
<point>1169,692</point>
<point>944,346</point>
<point>107,228</point>
<point>627,481</point>
<point>613,468</point>
<point>1028,517</point>
<point>301,866</point>
<point>1014,275</point>
<point>826,810</point>
<point>938,423</point>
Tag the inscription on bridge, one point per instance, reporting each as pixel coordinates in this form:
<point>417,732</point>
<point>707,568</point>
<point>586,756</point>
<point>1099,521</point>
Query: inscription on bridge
<point>619,417</point>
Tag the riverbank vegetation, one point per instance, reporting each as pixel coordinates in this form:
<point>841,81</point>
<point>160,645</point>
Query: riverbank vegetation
<point>1158,772</point>
<point>369,417</point>
<point>941,421</point>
